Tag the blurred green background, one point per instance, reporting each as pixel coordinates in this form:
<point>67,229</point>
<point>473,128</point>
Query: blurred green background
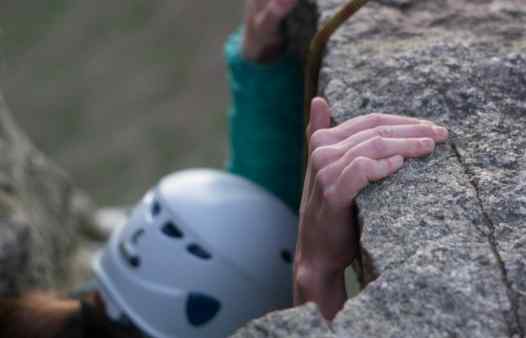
<point>119,92</point>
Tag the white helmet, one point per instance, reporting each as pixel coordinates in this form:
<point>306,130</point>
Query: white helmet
<point>202,253</point>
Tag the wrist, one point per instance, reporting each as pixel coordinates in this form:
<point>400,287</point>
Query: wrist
<point>326,289</point>
<point>324,260</point>
<point>319,286</point>
<point>315,277</point>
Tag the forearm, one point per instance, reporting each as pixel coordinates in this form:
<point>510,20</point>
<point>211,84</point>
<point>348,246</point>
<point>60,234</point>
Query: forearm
<point>266,122</point>
<point>326,289</point>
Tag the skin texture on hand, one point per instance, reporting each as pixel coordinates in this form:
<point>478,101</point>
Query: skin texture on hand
<point>262,39</point>
<point>342,161</point>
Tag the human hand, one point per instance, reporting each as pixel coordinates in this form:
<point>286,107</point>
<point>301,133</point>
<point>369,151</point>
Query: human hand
<point>262,40</point>
<point>343,160</point>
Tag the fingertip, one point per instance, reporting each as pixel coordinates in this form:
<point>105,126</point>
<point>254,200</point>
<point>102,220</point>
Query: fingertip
<point>388,167</point>
<point>441,133</point>
<point>391,165</point>
<point>398,161</point>
<point>428,144</point>
<point>319,103</point>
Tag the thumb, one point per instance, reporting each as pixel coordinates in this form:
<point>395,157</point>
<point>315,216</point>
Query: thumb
<point>320,118</point>
<point>320,115</point>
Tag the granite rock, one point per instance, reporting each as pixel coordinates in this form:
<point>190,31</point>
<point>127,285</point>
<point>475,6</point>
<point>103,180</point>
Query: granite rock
<point>305,321</point>
<point>44,219</point>
<point>443,242</point>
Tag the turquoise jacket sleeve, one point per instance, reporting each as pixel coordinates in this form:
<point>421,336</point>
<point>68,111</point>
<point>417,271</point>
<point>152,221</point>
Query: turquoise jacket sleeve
<point>266,123</point>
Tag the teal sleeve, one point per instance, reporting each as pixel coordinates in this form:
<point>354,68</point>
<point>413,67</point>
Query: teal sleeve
<point>266,122</point>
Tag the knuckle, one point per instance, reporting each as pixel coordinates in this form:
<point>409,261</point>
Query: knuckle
<point>423,146</point>
<point>375,118</point>
<point>349,155</point>
<point>319,158</point>
<point>324,156</point>
<point>418,147</point>
<point>384,131</point>
<point>323,178</point>
<point>363,168</point>
<point>390,164</point>
<point>318,139</point>
<point>424,129</point>
<point>377,144</point>
<point>330,196</point>
<point>360,165</point>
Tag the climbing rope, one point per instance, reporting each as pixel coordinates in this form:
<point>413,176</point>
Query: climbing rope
<point>315,54</point>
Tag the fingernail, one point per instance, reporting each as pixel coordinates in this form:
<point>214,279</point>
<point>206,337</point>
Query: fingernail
<point>440,132</point>
<point>428,143</point>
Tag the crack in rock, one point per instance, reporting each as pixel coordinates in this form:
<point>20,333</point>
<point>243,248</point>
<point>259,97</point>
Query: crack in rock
<point>515,327</point>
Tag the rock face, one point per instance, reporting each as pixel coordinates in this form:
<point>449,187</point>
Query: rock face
<point>43,217</point>
<point>443,241</point>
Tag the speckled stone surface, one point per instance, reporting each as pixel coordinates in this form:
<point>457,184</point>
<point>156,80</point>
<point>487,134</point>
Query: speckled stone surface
<point>42,217</point>
<point>444,240</point>
<point>305,321</point>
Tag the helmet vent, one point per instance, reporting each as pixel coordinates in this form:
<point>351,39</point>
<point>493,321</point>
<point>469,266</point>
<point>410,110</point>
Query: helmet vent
<point>156,208</point>
<point>137,235</point>
<point>286,256</point>
<point>200,308</point>
<point>133,260</point>
<point>198,251</point>
<point>171,230</point>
